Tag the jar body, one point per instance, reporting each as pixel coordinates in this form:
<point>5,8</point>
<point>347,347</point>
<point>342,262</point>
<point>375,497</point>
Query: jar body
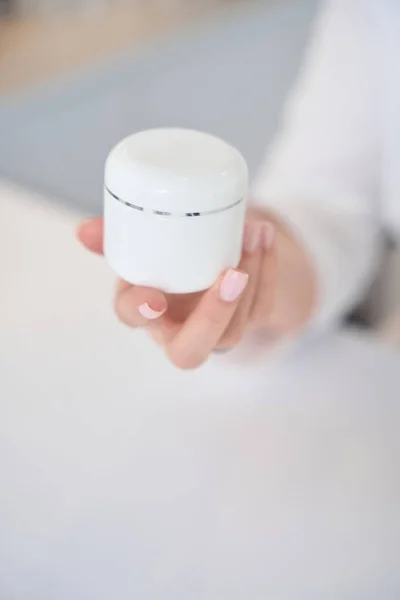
<point>173,253</point>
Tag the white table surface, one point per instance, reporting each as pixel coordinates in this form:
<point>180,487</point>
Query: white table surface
<point>123,478</point>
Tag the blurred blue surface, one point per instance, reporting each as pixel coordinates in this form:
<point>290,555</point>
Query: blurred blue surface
<point>230,78</point>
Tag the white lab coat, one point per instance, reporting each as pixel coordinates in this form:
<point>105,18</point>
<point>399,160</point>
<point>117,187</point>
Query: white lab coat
<point>334,172</point>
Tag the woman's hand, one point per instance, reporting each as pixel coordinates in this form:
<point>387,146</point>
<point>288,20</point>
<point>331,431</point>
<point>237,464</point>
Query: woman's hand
<point>272,290</point>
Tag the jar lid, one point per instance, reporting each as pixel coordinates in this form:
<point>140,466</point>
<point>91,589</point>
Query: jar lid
<point>176,171</point>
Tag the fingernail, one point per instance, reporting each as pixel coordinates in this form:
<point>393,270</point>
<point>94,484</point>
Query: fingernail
<point>252,237</point>
<point>268,235</point>
<point>149,313</point>
<point>233,285</point>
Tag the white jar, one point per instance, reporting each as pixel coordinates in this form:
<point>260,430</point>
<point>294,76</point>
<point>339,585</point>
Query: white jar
<point>175,203</point>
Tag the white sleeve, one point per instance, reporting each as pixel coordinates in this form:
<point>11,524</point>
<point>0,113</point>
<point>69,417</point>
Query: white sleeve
<point>323,175</point>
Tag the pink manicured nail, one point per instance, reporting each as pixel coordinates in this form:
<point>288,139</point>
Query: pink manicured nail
<point>268,235</point>
<point>233,285</point>
<point>148,313</point>
<point>252,237</point>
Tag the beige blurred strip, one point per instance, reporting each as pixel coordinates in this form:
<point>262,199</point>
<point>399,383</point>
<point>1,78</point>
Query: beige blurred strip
<point>38,48</point>
<point>390,330</point>
<point>383,303</point>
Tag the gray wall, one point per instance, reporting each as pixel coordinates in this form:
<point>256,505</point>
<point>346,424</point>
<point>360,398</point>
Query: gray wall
<point>230,78</point>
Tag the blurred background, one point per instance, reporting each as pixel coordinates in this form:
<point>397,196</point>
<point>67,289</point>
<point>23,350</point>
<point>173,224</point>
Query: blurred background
<point>121,477</point>
<point>78,75</point>
<point>60,35</point>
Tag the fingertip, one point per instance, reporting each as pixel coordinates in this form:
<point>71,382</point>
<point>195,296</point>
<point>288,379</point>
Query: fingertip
<point>136,306</point>
<point>90,234</point>
<point>149,312</point>
<point>233,284</point>
<point>151,303</point>
<point>90,227</point>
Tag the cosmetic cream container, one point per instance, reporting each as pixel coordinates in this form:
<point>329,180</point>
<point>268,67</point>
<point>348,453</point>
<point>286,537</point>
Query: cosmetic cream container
<point>175,203</point>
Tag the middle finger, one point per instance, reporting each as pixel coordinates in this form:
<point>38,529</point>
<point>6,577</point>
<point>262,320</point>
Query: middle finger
<point>198,337</point>
<point>257,240</point>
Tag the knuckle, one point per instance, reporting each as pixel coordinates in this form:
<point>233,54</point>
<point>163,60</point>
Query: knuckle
<point>214,315</point>
<point>185,361</point>
<point>258,310</point>
<point>253,320</point>
<point>231,340</point>
<point>122,313</point>
<point>233,336</point>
